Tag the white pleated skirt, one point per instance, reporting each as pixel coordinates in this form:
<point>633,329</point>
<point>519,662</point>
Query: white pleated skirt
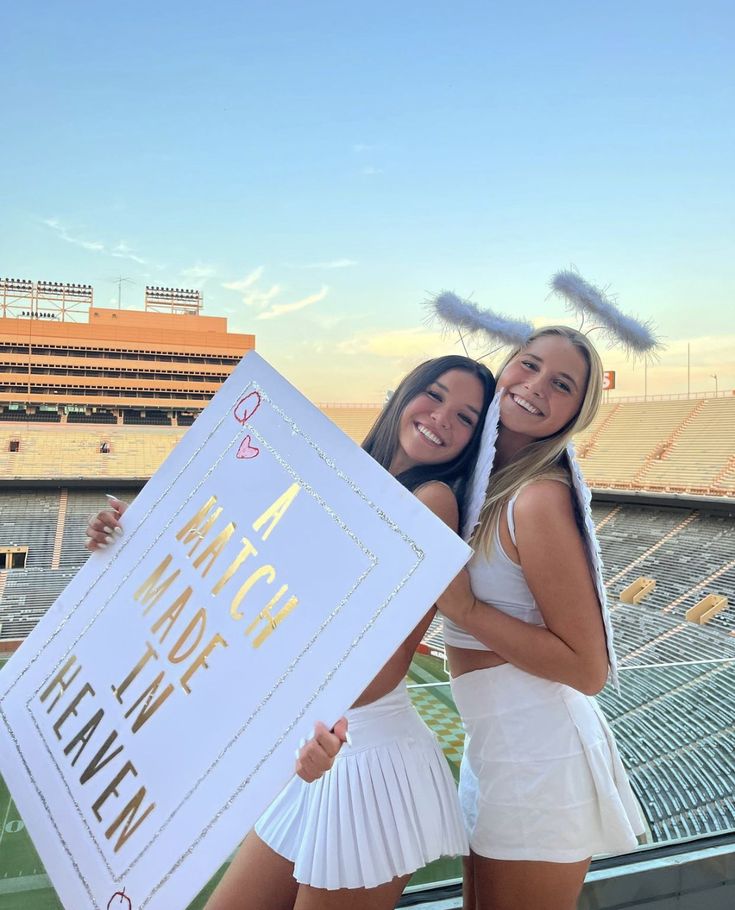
<point>541,778</point>
<point>388,806</point>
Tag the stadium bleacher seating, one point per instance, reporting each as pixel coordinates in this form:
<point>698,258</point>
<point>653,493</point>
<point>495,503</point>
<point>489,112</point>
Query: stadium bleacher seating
<point>75,451</point>
<point>673,717</point>
<point>678,445</point>
<point>28,518</point>
<point>355,420</point>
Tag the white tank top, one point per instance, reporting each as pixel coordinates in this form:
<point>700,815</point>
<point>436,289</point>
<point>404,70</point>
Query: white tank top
<point>499,581</point>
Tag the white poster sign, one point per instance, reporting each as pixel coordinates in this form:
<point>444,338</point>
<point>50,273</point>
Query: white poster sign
<point>266,572</point>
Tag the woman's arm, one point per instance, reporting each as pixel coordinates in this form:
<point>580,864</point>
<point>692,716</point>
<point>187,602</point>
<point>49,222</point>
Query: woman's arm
<point>316,757</point>
<point>571,649</point>
<point>440,499</point>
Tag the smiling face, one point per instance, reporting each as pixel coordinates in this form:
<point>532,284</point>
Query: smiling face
<point>544,386</point>
<point>439,422</point>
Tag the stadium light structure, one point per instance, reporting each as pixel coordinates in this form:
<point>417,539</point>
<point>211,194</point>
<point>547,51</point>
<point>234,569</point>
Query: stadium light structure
<point>25,299</point>
<point>173,300</point>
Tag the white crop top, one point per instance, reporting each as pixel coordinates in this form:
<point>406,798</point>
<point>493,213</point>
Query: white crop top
<point>499,581</point>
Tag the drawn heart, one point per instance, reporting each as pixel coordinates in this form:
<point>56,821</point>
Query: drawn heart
<point>246,407</point>
<point>246,450</point>
<point>123,897</point>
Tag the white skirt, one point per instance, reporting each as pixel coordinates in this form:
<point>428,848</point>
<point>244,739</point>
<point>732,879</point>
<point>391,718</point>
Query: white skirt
<point>541,778</point>
<point>388,806</point>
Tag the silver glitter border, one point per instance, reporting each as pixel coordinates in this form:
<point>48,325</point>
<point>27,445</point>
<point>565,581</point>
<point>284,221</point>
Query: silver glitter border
<point>372,561</point>
<point>295,429</point>
<point>50,639</point>
<point>419,553</point>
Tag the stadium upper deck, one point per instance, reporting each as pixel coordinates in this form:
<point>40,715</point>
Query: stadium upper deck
<point>675,445</point>
<point>118,366</point>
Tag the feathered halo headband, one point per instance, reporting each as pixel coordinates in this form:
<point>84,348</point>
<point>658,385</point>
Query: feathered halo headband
<point>590,302</point>
<point>638,338</point>
<point>584,298</point>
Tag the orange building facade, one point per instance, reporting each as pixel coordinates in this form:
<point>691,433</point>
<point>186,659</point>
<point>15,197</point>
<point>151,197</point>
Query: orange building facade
<point>118,367</point>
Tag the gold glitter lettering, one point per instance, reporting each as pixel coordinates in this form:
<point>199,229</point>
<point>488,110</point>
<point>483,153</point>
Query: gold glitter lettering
<point>275,512</point>
<point>201,661</point>
<point>194,529</point>
<point>60,681</point>
<point>71,708</point>
<point>247,585</point>
<point>149,653</point>
<point>127,816</point>
<point>151,590</point>
<point>214,548</point>
<point>199,619</point>
<point>150,705</point>
<point>247,550</point>
<point>172,614</point>
<point>270,621</point>
<point>101,758</point>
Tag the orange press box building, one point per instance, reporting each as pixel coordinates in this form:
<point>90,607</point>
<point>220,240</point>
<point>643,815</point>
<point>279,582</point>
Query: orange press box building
<point>118,385</point>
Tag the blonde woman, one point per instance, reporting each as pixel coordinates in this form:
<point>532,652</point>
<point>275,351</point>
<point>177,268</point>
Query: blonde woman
<point>542,787</point>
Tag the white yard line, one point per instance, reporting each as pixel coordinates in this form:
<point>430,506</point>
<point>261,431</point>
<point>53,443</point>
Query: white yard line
<point>5,820</point>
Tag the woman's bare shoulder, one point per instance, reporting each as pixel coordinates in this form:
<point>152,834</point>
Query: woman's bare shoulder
<point>545,498</point>
<point>439,497</point>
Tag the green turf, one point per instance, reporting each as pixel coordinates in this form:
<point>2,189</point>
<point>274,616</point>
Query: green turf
<point>19,860</point>
<point>432,665</point>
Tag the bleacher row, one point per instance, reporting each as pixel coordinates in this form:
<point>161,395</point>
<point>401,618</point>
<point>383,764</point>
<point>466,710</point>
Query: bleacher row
<point>675,714</point>
<point>662,445</point>
<point>31,518</point>
<point>74,451</point>
<point>678,445</point>
<point>674,717</point>
<point>675,727</point>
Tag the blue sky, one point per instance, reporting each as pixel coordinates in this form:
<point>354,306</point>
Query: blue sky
<point>317,168</point>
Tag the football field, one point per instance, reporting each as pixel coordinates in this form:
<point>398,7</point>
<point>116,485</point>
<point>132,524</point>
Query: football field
<point>25,886</point>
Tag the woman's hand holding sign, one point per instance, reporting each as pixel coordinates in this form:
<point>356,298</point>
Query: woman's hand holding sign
<point>102,527</point>
<point>317,756</point>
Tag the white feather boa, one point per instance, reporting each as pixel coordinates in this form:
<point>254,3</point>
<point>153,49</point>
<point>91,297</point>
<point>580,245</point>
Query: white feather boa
<point>477,487</point>
<point>584,500</point>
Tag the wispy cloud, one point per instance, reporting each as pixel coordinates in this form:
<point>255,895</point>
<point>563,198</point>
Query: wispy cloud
<point>242,284</point>
<point>371,171</point>
<point>199,272</point>
<point>95,246</point>
<point>120,250</point>
<point>123,251</point>
<point>253,296</point>
<point>281,309</point>
<point>260,299</point>
<point>332,264</point>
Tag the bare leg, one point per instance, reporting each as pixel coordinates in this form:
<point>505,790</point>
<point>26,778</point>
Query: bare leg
<point>384,897</point>
<point>520,885</point>
<point>468,882</point>
<point>257,879</point>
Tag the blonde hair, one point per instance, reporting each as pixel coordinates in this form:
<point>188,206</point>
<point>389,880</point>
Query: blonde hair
<point>543,457</point>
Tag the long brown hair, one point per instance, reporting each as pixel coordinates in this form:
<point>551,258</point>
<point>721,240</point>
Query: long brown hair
<point>382,439</point>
